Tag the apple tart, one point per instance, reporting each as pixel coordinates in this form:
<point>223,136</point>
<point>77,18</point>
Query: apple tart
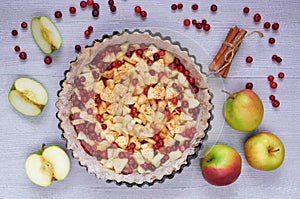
<point>133,107</point>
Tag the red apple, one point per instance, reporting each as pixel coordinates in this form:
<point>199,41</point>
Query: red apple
<point>221,165</point>
<point>264,151</point>
<point>243,110</point>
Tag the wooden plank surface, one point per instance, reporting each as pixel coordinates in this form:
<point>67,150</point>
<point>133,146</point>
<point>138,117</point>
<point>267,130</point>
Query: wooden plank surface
<point>22,135</point>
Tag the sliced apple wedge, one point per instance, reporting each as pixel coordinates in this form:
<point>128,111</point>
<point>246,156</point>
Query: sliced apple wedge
<point>28,96</point>
<point>46,165</point>
<point>45,34</point>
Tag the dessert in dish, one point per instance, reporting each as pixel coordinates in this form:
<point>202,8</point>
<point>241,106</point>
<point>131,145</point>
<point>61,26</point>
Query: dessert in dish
<point>133,107</point>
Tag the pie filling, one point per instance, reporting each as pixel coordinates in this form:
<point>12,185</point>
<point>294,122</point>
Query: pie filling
<point>135,108</point>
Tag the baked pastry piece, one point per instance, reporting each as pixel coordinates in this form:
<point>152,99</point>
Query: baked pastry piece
<point>133,107</point>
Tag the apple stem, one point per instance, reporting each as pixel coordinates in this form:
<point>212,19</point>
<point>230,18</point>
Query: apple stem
<point>275,150</point>
<point>43,147</point>
<point>226,92</point>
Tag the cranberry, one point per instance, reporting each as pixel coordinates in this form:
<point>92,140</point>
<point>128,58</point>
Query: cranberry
<point>83,4</point>
<point>14,32</point>
<point>161,53</point>
<point>206,27</point>
<point>187,22</point>
<point>113,8</point>
<point>199,25</point>
<point>104,126</point>
<point>194,89</point>
<point>204,21</point>
<point>90,28</point>
<point>72,10</point>
<point>213,7</point>
<point>156,56</point>
<point>272,97</point>
<point>17,48</point>
<point>273,85</point>
<point>24,25</point>
<point>111,2</point>
<point>270,78</point>
<point>180,6</point>
<point>90,2</point>
<point>137,9</point>
<point>191,80</point>
<point>267,25</point>
<point>143,14</point>
<point>77,47</point>
<point>281,75</point>
<point>99,118</point>
<point>271,40</point>
<point>174,6</point>
<point>132,145</point>
<point>249,85</point>
<point>48,60</point>
<point>23,55</point>
<point>174,100</point>
<point>95,13</point>
<point>87,33</point>
<point>275,103</point>
<point>278,59</point>
<point>133,111</point>
<point>257,17</point>
<point>58,14</point>
<point>275,26</point>
<point>246,10</point>
<point>186,73</point>
<point>134,81</point>
<point>96,6</point>
<point>195,6</point>
<point>274,57</point>
<point>180,68</point>
<point>139,52</point>
<point>249,59</point>
<point>194,22</point>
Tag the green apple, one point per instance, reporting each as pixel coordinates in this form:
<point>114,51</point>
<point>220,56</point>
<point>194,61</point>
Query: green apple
<point>45,34</point>
<point>47,164</point>
<point>221,165</point>
<point>264,151</point>
<point>28,96</point>
<point>243,110</point>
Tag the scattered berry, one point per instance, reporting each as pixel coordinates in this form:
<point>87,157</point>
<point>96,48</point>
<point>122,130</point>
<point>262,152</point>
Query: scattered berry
<point>77,47</point>
<point>275,26</point>
<point>96,6</point>
<point>103,126</point>
<point>246,10</point>
<point>249,59</point>
<point>143,14</point>
<point>275,103</point>
<point>48,60</point>
<point>194,21</point>
<point>272,97</point>
<point>206,27</point>
<point>24,25</point>
<point>278,59</point>
<point>249,85</point>
<point>204,21</point>
<point>195,6</point>
<point>270,78</point>
<point>14,32</point>
<point>23,55</point>
<point>273,85</point>
<point>267,25</point>
<point>83,4</point>
<point>187,22</point>
<point>281,75</point>
<point>180,6</point>
<point>113,8</point>
<point>90,28</point>
<point>17,48</point>
<point>213,7</point>
<point>90,2</point>
<point>271,40</point>
<point>174,6</point>
<point>58,14</point>
<point>137,9</point>
<point>95,13</point>
<point>257,17</point>
<point>274,57</point>
<point>199,25</point>
<point>72,10</point>
<point>87,33</point>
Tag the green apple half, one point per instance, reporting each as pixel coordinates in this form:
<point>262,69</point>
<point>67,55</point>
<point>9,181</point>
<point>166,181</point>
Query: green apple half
<point>46,165</point>
<point>221,165</point>
<point>243,110</point>
<point>45,34</point>
<point>264,151</point>
<point>28,96</point>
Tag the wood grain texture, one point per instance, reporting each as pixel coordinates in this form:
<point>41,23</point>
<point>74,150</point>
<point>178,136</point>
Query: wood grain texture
<point>22,135</point>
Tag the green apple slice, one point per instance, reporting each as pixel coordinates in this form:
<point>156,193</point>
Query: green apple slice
<point>28,96</point>
<point>47,165</point>
<point>45,34</point>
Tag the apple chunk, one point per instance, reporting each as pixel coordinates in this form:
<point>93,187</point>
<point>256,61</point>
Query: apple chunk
<point>28,96</point>
<point>45,34</point>
<point>46,165</point>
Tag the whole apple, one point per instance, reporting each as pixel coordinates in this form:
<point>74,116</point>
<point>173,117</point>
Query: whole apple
<point>243,110</point>
<point>221,165</point>
<point>264,151</point>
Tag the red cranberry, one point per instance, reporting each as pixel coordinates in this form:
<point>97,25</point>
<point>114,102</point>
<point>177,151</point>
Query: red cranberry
<point>267,25</point>
<point>48,60</point>
<point>95,13</point>
<point>199,25</point>
<point>58,14</point>
<point>156,56</point>
<point>195,6</point>
<point>194,21</point>
<point>274,57</point>
<point>174,6</point>
<point>72,10</point>
<point>273,85</point>
<point>249,59</point>
<point>17,48</point>
<point>174,100</point>
<point>83,4</point>
<point>270,78</point>
<point>257,17</point>
<point>194,89</point>
<point>111,2</point>
<point>103,126</point>
<point>24,25</point>
<point>90,2</point>
<point>90,28</point>
<point>99,118</point>
<point>87,33</point>
<point>249,85</point>
<point>204,21</point>
<point>96,6</point>
<point>143,14</point>
<point>187,22</point>
<point>281,75</point>
<point>278,59</point>
<point>246,10</point>
<point>213,7</point>
<point>14,32</point>
<point>137,9</point>
<point>133,111</point>
<point>206,27</point>
<point>113,8</point>
<point>272,97</point>
<point>77,47</point>
<point>23,55</point>
<point>275,26</point>
<point>275,103</point>
<point>271,40</point>
<point>132,145</point>
<point>180,6</point>
<point>139,52</point>
<point>191,80</point>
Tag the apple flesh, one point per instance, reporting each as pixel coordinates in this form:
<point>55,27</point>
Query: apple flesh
<point>28,96</point>
<point>264,151</point>
<point>51,163</point>
<point>243,110</point>
<point>221,165</point>
<point>45,34</point>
